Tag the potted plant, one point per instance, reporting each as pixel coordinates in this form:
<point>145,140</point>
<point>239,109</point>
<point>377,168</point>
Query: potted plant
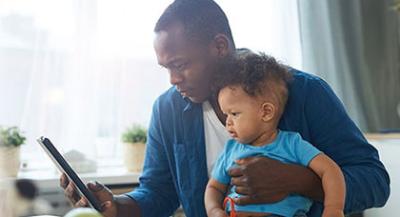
<point>11,139</point>
<point>134,139</point>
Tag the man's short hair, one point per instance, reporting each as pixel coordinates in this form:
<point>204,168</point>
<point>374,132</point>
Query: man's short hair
<point>202,19</point>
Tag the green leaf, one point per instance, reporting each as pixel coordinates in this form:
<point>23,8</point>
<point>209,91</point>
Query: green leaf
<point>11,137</point>
<point>134,134</point>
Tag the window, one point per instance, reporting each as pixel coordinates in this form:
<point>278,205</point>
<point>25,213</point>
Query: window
<point>80,72</point>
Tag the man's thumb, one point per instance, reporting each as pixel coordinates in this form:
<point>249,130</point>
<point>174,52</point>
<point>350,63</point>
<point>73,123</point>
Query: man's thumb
<point>95,186</point>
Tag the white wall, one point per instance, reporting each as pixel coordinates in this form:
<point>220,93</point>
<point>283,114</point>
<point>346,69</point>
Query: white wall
<point>389,150</point>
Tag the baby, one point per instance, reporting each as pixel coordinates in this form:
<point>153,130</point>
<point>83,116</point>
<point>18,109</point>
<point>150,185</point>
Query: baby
<point>253,94</point>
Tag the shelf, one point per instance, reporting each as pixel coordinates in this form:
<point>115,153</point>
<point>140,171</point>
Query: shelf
<point>48,180</point>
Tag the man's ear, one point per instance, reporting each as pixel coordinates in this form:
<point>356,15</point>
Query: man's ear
<point>221,45</point>
<point>268,111</point>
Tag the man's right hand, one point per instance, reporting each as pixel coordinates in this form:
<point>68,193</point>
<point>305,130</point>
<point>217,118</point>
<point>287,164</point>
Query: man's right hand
<point>102,193</point>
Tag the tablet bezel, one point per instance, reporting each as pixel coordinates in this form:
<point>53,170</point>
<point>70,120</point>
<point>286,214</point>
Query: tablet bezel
<point>64,167</point>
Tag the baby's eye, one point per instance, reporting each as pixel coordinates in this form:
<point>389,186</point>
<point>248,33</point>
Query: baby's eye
<point>234,114</point>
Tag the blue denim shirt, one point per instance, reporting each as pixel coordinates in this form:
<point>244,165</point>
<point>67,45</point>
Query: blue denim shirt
<point>175,168</point>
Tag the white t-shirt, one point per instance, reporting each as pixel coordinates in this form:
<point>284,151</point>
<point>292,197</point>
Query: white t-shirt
<point>215,135</point>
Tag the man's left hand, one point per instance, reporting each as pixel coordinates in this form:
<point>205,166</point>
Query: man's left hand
<point>264,180</point>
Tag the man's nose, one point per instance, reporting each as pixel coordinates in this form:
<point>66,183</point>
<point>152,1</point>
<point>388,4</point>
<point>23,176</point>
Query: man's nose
<point>175,78</point>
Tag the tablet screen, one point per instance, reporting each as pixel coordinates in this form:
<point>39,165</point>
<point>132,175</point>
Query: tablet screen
<point>64,167</point>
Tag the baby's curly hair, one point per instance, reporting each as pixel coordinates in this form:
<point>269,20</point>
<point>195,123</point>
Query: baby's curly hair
<point>258,75</point>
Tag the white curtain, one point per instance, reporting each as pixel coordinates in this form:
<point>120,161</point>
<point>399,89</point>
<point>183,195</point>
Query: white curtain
<point>79,72</point>
<point>270,26</point>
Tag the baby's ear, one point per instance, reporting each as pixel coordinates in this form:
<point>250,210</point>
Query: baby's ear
<point>268,111</point>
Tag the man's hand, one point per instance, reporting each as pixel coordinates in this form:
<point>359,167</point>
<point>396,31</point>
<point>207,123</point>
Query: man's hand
<point>264,180</point>
<point>102,193</point>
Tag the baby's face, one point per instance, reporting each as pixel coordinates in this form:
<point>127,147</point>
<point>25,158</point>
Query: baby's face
<point>244,117</point>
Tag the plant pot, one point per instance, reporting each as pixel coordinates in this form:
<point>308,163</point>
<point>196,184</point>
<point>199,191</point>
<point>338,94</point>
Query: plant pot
<point>9,161</point>
<point>134,156</point>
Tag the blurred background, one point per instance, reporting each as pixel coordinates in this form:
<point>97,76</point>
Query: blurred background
<point>81,72</point>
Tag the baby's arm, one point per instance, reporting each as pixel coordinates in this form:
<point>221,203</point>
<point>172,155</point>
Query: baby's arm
<point>333,184</point>
<point>214,197</point>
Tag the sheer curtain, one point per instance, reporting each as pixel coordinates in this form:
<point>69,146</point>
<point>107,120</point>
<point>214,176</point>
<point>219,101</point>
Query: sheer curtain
<point>270,26</point>
<point>80,72</point>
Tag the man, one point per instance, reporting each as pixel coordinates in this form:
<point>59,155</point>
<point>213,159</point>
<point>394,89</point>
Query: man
<point>193,42</point>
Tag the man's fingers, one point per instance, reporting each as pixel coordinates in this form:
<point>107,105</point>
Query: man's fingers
<point>243,190</point>
<point>244,200</point>
<point>247,160</point>
<point>72,193</point>
<point>64,181</point>
<point>242,164</point>
<point>235,171</point>
<point>101,192</point>
<point>239,181</point>
<point>82,203</point>
<point>95,186</point>
<point>70,190</point>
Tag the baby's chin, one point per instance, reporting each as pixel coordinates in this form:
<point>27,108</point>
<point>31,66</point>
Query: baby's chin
<point>241,141</point>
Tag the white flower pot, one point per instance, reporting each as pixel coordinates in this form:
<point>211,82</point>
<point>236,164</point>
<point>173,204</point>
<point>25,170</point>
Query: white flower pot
<point>9,161</point>
<point>134,156</point>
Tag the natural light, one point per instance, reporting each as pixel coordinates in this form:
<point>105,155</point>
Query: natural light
<point>90,71</point>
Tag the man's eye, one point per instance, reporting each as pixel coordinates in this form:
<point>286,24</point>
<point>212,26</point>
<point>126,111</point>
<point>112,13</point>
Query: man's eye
<point>180,67</point>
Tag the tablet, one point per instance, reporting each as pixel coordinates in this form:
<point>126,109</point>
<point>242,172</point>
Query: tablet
<point>64,167</point>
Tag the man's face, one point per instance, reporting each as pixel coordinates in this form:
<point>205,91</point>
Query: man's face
<point>190,64</point>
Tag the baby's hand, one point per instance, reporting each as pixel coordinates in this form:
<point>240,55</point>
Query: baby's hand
<point>218,213</point>
<point>332,212</point>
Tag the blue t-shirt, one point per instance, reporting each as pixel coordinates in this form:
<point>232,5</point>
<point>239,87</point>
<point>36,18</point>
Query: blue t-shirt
<point>288,147</point>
